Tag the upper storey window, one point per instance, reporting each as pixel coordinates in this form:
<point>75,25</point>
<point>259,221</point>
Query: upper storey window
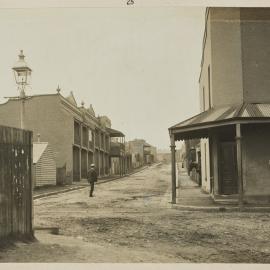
<point>203,98</point>
<point>209,88</point>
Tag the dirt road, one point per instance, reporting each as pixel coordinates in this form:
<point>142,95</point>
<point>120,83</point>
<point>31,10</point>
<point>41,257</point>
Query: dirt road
<point>129,220</point>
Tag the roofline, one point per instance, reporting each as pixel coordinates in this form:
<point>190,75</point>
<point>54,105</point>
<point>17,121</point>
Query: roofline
<point>67,103</point>
<point>225,122</point>
<point>114,133</point>
<point>17,98</point>
<point>92,117</point>
<point>77,109</point>
<point>236,114</point>
<point>204,39</point>
<point>174,126</point>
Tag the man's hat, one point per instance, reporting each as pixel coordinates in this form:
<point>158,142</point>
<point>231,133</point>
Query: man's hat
<point>92,165</point>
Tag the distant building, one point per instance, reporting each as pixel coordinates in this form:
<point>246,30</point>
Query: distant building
<point>153,151</point>
<point>142,152</point>
<point>164,157</point>
<point>120,160</point>
<point>147,155</point>
<point>136,149</point>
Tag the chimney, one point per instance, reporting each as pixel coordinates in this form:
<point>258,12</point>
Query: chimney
<point>38,137</point>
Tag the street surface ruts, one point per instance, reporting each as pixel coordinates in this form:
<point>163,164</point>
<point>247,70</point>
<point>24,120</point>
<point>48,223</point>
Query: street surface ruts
<point>130,220</point>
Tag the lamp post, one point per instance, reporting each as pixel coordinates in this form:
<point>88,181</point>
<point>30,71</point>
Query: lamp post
<point>22,73</point>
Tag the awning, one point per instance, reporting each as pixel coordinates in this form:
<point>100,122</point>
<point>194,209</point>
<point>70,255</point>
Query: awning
<point>115,133</point>
<point>199,125</point>
<point>146,144</point>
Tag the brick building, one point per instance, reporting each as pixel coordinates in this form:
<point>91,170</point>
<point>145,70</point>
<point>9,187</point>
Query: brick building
<point>234,123</point>
<point>117,152</point>
<point>77,137</point>
<point>142,152</point>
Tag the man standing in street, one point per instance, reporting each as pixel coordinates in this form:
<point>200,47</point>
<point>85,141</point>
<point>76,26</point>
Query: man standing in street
<point>92,178</point>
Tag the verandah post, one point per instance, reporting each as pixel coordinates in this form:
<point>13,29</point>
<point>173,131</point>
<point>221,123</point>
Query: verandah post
<point>173,168</point>
<point>239,164</point>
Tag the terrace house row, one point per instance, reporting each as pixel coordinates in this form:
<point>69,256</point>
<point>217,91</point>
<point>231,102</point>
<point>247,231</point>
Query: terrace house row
<point>77,137</point>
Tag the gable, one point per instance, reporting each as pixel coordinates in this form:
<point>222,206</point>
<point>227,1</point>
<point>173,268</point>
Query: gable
<point>91,110</point>
<point>71,99</point>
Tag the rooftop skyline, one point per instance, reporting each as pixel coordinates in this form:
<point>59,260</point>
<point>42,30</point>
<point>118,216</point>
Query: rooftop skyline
<point>140,67</point>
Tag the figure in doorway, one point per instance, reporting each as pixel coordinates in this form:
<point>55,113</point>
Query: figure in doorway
<point>92,178</point>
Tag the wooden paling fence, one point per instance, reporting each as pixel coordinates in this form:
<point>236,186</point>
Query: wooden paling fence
<point>15,182</point>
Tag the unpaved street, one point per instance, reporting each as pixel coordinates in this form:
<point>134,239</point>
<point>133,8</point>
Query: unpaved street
<point>130,220</point>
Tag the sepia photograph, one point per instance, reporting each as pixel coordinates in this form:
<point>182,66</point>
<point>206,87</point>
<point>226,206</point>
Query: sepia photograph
<point>134,131</point>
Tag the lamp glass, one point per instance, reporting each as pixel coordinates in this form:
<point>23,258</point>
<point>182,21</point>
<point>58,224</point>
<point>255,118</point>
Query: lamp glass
<point>22,76</point>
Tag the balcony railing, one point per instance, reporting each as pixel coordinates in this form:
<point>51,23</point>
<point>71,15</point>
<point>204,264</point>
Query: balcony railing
<point>85,138</point>
<point>91,145</point>
<point>77,133</point>
<point>97,140</point>
<point>116,149</point>
<point>146,152</point>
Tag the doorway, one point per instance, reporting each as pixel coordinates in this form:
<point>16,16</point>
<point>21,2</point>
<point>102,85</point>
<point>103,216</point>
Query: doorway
<point>228,168</point>
<point>76,164</point>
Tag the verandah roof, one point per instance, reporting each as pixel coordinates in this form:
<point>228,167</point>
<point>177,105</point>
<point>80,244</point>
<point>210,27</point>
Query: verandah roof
<point>115,133</point>
<point>199,125</point>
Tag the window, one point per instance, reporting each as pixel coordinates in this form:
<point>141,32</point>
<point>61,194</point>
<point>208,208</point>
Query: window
<point>203,96</point>
<point>90,137</point>
<point>77,133</point>
<point>209,88</point>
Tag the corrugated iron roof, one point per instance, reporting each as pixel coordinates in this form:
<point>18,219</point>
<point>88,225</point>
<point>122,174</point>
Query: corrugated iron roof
<point>115,133</point>
<point>147,144</point>
<point>226,113</point>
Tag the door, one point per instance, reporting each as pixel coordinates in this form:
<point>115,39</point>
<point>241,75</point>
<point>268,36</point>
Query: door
<point>76,164</point>
<point>228,168</point>
<point>84,164</point>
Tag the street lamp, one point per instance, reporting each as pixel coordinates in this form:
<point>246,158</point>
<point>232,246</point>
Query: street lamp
<point>22,73</point>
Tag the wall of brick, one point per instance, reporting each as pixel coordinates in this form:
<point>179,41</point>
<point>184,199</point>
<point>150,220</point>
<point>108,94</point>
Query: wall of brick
<point>256,158</point>
<point>44,116</point>
<point>255,33</point>
<point>226,69</point>
<point>10,114</point>
<point>136,147</point>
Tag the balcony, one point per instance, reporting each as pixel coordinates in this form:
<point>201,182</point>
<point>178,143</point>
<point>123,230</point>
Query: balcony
<point>91,136</point>
<point>85,137</point>
<point>97,140</point>
<point>102,142</point>
<point>116,149</point>
<point>91,145</point>
<point>146,150</point>
<point>77,133</point>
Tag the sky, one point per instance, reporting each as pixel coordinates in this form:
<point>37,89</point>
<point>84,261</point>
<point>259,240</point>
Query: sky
<point>138,66</point>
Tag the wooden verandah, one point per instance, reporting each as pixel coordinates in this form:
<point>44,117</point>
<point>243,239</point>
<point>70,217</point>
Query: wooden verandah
<point>205,130</point>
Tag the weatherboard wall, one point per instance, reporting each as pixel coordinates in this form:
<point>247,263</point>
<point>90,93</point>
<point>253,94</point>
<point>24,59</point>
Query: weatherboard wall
<point>45,169</point>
